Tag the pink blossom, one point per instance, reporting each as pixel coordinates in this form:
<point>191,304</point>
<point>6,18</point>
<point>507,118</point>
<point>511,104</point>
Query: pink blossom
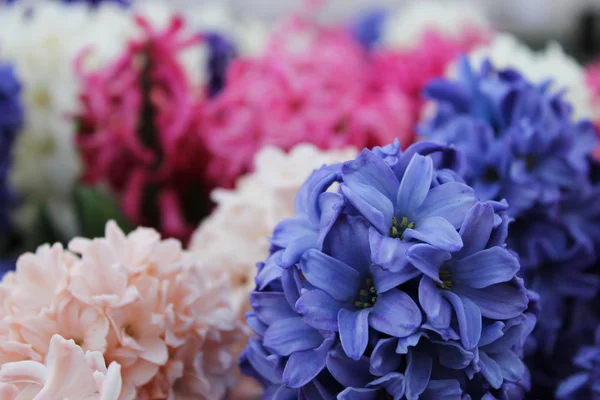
<point>593,81</point>
<point>410,70</point>
<point>140,131</point>
<point>313,85</point>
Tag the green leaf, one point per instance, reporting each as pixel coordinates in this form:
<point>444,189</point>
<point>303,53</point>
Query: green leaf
<point>94,207</point>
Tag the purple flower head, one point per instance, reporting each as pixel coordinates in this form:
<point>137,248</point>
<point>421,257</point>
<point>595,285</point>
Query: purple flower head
<point>368,26</point>
<point>382,284</point>
<point>518,139</point>
<point>585,383</point>
<point>222,51</point>
<point>11,117</point>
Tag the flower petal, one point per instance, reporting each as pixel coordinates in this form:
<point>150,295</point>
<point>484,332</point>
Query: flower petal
<point>442,390</point>
<point>469,318</point>
<point>358,394</point>
<point>427,259</point>
<point>348,242</point>
<point>437,232</point>
<point>354,331</point>
<point>290,335</point>
<point>303,366</point>
<point>450,201</point>
<point>572,384</point>
<point>332,276</point>
<point>319,310</point>
<point>490,370</point>
<point>388,252</point>
<point>271,306</point>
<point>511,365</point>
<point>395,314</point>
<point>384,358</point>
<point>415,185</point>
<point>371,204</point>
<point>369,169</point>
<point>385,280</point>
<point>418,372</point>
<point>436,308</point>
<point>476,230</point>
<point>485,268</point>
<point>501,301</point>
<point>347,371</point>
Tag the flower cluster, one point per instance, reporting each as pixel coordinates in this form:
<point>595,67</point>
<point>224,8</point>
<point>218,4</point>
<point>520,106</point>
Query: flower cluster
<point>313,84</point>
<point>41,41</point>
<point>519,139</point>
<point>506,51</point>
<point>135,302</point>
<point>521,143</point>
<point>140,131</point>
<point>391,280</point>
<point>11,118</point>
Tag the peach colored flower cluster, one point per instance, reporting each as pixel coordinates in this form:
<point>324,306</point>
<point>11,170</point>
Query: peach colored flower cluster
<point>139,304</point>
<point>313,84</point>
<point>236,234</point>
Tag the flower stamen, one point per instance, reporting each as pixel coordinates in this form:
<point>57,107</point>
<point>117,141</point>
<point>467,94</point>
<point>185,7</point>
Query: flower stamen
<point>397,230</point>
<point>367,295</point>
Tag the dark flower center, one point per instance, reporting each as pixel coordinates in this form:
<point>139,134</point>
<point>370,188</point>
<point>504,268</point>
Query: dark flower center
<point>367,295</point>
<point>531,163</point>
<point>397,229</point>
<point>491,175</point>
<point>446,280</point>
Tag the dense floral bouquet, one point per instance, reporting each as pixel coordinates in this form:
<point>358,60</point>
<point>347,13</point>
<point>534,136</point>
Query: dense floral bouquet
<point>400,206</point>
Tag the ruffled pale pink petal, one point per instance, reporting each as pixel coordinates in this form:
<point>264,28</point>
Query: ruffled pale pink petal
<point>133,302</point>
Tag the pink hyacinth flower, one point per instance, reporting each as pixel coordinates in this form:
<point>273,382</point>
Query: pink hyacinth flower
<point>314,85</point>
<point>593,81</point>
<point>140,130</point>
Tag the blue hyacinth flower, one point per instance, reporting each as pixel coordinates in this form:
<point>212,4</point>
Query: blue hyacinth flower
<point>384,284</point>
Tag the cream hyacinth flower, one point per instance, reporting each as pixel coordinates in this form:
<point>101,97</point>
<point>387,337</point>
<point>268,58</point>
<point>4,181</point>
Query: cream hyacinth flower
<point>235,236</point>
<point>42,44</point>
<point>136,302</point>
<point>506,51</point>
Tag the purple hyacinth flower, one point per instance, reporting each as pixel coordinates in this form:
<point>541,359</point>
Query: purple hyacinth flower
<point>291,353</point>
<point>348,293</point>
<point>479,280</point>
<point>406,210</point>
<point>519,139</point>
<point>347,276</point>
